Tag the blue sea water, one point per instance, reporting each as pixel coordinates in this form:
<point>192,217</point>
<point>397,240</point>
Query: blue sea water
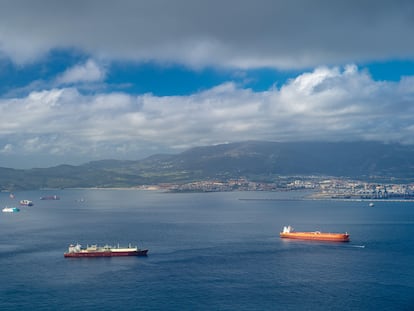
<point>207,251</point>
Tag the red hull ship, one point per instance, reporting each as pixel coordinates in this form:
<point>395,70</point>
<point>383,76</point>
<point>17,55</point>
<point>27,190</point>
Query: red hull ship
<point>289,233</point>
<point>77,251</point>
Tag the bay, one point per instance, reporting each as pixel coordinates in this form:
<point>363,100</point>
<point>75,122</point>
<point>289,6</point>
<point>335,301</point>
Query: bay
<point>207,251</point>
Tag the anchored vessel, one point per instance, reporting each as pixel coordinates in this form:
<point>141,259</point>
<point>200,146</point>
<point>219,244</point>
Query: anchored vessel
<point>76,250</point>
<point>26,203</point>
<point>50,197</point>
<point>289,233</point>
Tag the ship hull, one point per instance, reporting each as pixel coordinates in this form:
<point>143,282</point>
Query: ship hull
<point>89,254</point>
<point>316,236</point>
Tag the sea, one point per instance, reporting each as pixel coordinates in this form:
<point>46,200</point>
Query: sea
<point>207,251</point>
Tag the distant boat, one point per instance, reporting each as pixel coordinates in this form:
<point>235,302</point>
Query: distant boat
<point>26,203</point>
<point>289,233</point>
<point>103,251</point>
<point>371,204</point>
<point>10,210</point>
<point>50,197</point>
<point>11,196</point>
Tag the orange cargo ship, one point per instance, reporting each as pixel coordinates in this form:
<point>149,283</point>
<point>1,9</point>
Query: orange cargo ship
<point>289,233</point>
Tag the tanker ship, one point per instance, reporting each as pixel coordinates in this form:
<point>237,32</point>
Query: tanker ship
<point>76,250</point>
<point>50,197</point>
<point>289,233</point>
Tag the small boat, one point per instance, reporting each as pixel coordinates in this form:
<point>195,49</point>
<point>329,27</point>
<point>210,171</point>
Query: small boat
<point>371,204</point>
<point>289,233</point>
<point>26,203</point>
<point>76,250</point>
<point>10,210</point>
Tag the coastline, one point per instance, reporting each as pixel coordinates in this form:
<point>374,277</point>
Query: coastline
<point>309,196</point>
<point>335,197</point>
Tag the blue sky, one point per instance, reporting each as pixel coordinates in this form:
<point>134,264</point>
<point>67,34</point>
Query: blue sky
<point>139,77</point>
<point>172,79</point>
<point>90,80</point>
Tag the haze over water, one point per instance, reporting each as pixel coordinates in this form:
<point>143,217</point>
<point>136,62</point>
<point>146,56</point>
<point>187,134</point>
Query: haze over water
<point>207,251</point>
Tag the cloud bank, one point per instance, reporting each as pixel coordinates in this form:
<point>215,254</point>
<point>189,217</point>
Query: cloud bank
<point>225,33</point>
<point>328,103</point>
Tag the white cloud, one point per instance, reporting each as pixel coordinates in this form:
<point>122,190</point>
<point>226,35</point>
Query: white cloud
<point>325,104</point>
<point>88,72</point>
<point>244,34</point>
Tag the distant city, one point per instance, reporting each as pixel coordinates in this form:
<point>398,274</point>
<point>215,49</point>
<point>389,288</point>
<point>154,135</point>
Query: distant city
<point>321,187</point>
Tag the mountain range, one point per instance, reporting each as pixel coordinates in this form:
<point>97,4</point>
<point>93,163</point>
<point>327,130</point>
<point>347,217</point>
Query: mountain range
<point>254,160</point>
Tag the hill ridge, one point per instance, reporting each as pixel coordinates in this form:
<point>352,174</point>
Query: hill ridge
<point>256,160</point>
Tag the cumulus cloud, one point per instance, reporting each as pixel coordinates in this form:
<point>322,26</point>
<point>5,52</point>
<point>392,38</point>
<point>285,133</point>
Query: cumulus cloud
<point>88,72</point>
<point>328,103</point>
<point>243,34</point>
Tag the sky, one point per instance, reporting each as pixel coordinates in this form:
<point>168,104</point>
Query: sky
<point>90,80</point>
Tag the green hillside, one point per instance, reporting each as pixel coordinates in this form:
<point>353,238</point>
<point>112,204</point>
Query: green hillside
<point>258,161</point>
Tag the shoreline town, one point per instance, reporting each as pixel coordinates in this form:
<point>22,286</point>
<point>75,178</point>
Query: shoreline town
<point>318,187</point>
